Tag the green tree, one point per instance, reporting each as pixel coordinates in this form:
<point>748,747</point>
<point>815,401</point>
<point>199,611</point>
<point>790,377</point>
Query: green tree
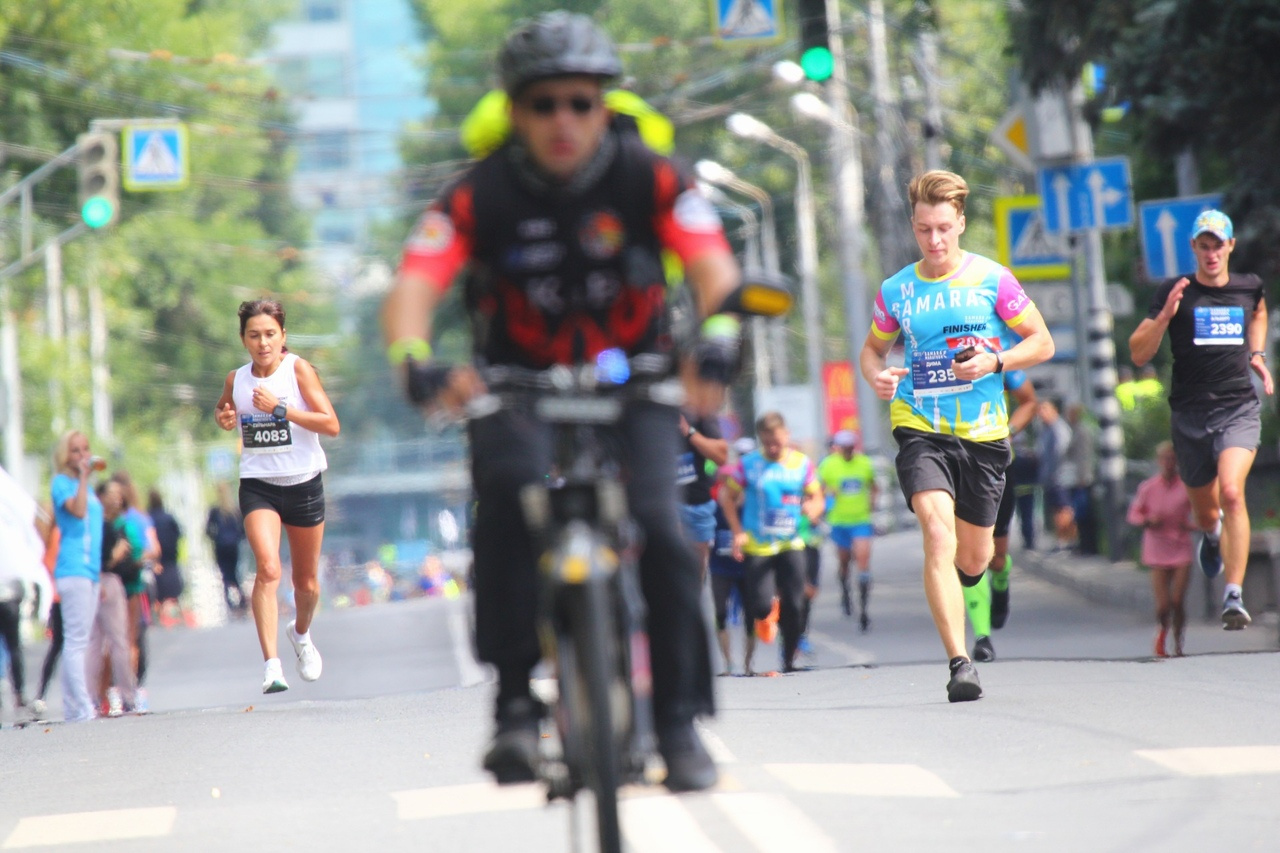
<point>177,264</point>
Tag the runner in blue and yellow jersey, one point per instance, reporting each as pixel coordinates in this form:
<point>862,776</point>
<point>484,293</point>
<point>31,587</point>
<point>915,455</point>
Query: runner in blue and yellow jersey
<point>778,485</point>
<point>957,313</point>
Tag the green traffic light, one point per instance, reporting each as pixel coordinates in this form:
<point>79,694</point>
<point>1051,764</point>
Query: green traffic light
<point>97,212</point>
<point>818,63</point>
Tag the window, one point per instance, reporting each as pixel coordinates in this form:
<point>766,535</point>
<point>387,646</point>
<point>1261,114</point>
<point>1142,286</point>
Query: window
<point>321,10</point>
<point>323,76</point>
<point>324,151</point>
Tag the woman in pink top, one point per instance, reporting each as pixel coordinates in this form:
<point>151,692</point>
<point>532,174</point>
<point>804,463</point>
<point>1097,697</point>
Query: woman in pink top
<point>1163,510</point>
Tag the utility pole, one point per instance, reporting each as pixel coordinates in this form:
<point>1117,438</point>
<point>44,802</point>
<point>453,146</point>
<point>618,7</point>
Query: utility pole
<point>846,167</point>
<point>892,212</point>
<point>927,67</point>
<point>100,373</point>
<point>53,326</point>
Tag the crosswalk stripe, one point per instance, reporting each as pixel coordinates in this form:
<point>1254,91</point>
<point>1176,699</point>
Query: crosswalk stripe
<point>715,746</point>
<point>862,780</point>
<point>771,822</point>
<point>91,827</point>
<point>479,798</point>
<point>1217,760</point>
<point>661,825</point>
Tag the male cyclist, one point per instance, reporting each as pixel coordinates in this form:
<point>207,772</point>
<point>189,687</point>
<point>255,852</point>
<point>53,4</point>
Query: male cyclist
<point>561,230</point>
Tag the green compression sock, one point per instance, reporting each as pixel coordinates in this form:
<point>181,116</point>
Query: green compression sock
<point>1000,579</point>
<point>977,599</point>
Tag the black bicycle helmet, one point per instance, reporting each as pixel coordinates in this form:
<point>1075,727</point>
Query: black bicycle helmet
<point>556,44</point>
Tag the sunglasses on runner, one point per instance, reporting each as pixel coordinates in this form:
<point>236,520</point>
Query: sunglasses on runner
<point>546,105</point>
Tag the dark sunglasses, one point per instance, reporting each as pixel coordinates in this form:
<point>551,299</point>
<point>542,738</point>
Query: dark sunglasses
<point>546,105</point>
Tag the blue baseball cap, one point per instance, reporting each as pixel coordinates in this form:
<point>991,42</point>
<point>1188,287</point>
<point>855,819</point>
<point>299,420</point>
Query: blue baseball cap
<point>1213,222</point>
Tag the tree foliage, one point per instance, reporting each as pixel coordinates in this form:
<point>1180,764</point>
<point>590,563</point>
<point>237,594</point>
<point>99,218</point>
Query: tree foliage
<point>1197,75</point>
<point>178,263</point>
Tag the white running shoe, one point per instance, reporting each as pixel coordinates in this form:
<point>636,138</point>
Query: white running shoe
<point>115,705</point>
<point>273,677</point>
<point>309,663</point>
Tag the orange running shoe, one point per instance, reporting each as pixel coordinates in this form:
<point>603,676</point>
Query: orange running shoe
<point>767,628</point>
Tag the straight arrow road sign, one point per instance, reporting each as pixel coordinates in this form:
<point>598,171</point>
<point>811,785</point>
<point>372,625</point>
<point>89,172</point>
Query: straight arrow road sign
<point>1087,195</point>
<point>1166,233</point>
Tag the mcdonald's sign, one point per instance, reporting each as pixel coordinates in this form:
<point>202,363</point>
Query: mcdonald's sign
<point>842,400</point>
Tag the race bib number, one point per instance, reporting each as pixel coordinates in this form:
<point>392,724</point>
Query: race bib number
<point>263,432</point>
<point>1219,325</point>
<point>851,486</point>
<point>779,523</point>
<point>932,376</point>
<point>685,471</point>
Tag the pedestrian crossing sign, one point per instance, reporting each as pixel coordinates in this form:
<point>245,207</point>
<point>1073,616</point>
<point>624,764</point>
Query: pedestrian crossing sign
<point>155,157</point>
<point>747,20</point>
<point>1024,246</point>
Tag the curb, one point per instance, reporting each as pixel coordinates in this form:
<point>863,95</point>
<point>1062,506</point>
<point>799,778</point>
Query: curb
<point>1095,579</point>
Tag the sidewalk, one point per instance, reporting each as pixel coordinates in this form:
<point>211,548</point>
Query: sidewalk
<point>1127,585</point>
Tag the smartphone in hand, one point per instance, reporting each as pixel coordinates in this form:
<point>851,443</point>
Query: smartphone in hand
<point>966,354</point>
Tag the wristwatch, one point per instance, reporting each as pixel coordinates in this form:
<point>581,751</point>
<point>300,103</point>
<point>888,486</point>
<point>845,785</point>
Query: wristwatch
<point>693,430</point>
<point>1262,354</point>
<point>280,410</point>
<point>999,362</point>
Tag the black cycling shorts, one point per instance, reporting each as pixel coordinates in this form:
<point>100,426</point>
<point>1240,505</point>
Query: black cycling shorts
<point>972,472</point>
<point>298,506</point>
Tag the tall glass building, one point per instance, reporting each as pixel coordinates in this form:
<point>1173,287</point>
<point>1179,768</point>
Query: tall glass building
<point>352,71</point>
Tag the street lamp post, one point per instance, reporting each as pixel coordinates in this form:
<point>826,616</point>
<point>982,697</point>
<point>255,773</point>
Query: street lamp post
<point>847,167</point>
<point>715,173</point>
<point>749,127</point>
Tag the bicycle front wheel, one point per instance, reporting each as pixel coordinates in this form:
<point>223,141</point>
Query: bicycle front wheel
<point>596,642</point>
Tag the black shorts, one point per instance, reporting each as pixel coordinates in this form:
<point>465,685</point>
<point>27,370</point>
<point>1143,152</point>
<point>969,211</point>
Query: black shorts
<point>298,506</point>
<point>972,472</point>
<point>1200,436</point>
<point>1004,515</point>
<point>812,564</point>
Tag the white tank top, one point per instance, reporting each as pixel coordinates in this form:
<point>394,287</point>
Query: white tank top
<point>274,448</point>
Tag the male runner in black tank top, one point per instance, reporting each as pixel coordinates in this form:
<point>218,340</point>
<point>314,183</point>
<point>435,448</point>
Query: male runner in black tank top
<point>1217,323</point>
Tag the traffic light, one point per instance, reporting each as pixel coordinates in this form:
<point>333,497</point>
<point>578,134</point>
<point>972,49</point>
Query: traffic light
<point>815,40</point>
<point>99,173</point>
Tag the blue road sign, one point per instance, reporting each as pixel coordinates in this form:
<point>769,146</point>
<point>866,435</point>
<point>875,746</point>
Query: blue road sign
<point>1022,243</point>
<point>1166,233</point>
<point>747,20</point>
<point>1087,195</point>
<point>155,158</point>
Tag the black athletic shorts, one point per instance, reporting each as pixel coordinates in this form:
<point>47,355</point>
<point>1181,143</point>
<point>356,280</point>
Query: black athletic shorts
<point>1004,515</point>
<point>972,472</point>
<point>1200,436</point>
<point>298,506</point>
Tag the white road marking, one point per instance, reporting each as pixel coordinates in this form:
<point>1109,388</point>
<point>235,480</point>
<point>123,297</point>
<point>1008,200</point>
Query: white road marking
<point>719,752</point>
<point>853,655</point>
<point>91,827</point>
<point>772,822</point>
<point>1217,760</point>
<point>470,673</point>
<point>862,780</point>
<point>662,825</point>
<point>479,798</point>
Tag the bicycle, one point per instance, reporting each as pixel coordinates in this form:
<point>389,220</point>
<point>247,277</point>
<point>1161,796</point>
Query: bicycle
<point>591,613</point>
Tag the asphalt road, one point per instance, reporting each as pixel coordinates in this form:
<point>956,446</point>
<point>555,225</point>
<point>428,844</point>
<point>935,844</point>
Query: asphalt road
<point>1081,742</point>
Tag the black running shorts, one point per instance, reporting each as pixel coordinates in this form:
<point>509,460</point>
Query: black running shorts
<point>1004,515</point>
<point>298,506</point>
<point>972,472</point>
<point>1200,436</point>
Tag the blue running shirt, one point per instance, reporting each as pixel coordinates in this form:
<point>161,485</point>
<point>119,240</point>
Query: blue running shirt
<point>977,305</point>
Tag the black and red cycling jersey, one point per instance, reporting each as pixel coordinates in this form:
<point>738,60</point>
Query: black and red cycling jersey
<point>556,277</point>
